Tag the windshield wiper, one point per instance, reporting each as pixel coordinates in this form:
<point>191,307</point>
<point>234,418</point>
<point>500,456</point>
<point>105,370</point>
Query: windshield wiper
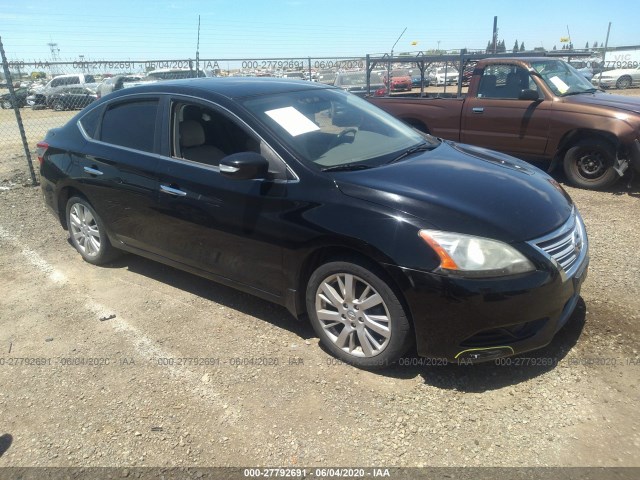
<point>346,167</point>
<point>589,90</point>
<point>410,151</point>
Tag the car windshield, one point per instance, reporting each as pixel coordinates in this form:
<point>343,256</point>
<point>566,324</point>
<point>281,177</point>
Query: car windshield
<point>333,128</point>
<point>400,73</point>
<point>562,78</point>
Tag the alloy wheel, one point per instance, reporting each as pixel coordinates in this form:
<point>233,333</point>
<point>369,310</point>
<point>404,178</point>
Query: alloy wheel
<point>84,230</point>
<point>353,315</point>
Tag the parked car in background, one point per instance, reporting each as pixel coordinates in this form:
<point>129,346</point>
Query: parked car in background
<point>72,98</point>
<point>441,76</point>
<point>356,82</point>
<point>117,82</point>
<point>174,74</point>
<point>417,80</point>
<point>327,76</point>
<point>295,75</point>
<point>400,80</point>
<point>308,196</point>
<point>620,78</point>
<point>19,100</point>
<point>42,96</point>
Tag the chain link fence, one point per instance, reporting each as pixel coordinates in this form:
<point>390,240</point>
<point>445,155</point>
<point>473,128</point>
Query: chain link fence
<point>38,96</point>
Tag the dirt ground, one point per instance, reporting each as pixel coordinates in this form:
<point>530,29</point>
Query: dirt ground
<point>139,364</point>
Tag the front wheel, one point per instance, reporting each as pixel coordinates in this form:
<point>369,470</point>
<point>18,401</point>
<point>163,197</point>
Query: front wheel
<point>357,315</point>
<point>589,164</point>
<point>6,104</point>
<point>87,232</point>
<point>58,106</point>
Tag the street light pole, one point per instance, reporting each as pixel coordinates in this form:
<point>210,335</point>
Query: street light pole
<point>391,60</point>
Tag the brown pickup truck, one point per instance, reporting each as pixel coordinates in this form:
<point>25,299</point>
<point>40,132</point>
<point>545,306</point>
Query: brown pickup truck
<point>539,109</point>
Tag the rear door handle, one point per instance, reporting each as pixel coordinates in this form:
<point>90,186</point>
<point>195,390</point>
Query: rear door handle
<point>477,109</point>
<point>92,171</point>
<point>172,191</point>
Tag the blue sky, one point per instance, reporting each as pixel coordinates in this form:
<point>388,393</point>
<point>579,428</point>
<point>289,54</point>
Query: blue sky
<point>143,30</point>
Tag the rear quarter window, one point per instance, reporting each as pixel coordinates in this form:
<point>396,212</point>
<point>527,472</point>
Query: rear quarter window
<point>130,125</point>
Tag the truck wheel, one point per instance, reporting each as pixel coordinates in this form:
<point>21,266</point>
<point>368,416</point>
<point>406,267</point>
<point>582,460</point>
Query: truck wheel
<point>624,82</point>
<point>589,164</point>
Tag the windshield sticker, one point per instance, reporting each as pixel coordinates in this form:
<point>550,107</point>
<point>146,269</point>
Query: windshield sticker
<point>560,85</point>
<point>294,122</point>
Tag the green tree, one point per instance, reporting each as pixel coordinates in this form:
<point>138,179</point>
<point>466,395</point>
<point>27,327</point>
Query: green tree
<point>554,47</point>
<point>522,47</point>
<point>515,47</point>
<point>595,44</point>
<point>587,46</point>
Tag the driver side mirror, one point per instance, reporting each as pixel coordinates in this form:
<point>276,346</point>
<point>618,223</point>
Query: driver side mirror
<point>528,94</point>
<point>244,166</point>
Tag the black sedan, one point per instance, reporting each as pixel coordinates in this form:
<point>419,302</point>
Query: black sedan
<point>72,98</point>
<point>20,98</point>
<point>311,197</point>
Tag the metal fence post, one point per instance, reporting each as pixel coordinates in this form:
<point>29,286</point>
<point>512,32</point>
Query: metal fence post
<point>16,109</point>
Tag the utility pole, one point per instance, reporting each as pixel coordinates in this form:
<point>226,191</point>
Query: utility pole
<point>495,34</point>
<point>198,50</point>
<point>604,54</point>
<point>54,56</point>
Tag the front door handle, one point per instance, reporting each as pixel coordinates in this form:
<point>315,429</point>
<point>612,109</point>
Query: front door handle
<point>92,171</point>
<point>172,191</point>
<point>477,109</point>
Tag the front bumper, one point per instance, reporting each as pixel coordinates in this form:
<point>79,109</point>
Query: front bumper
<point>482,319</point>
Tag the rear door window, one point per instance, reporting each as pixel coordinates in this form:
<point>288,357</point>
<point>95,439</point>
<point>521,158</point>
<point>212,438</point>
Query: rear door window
<point>131,125</point>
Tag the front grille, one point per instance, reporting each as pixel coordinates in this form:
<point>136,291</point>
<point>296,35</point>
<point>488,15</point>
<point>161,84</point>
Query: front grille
<point>567,245</point>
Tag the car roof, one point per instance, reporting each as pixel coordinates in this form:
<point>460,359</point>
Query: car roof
<point>232,88</point>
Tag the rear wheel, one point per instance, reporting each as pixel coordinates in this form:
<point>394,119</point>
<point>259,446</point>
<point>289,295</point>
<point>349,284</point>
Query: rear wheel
<point>623,82</point>
<point>87,232</point>
<point>6,104</point>
<point>357,315</point>
<point>589,164</point>
<point>58,106</point>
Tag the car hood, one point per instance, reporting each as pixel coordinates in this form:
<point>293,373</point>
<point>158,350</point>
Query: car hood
<point>466,189</point>
<point>622,102</point>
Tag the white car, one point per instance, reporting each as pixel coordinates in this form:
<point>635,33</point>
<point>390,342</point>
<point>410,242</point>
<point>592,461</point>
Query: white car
<point>440,76</point>
<point>621,78</point>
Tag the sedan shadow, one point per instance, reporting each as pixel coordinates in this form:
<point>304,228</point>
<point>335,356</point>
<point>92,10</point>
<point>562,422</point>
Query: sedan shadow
<point>215,292</point>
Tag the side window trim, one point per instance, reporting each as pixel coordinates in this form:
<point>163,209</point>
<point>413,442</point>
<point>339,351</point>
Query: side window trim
<point>282,168</point>
<point>120,100</point>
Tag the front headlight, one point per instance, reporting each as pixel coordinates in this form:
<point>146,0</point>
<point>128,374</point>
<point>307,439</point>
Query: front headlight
<point>470,256</point>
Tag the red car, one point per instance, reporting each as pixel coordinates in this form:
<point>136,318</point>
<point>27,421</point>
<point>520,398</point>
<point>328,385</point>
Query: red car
<point>400,80</point>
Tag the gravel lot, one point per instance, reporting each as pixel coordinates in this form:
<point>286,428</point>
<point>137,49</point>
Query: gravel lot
<point>192,373</point>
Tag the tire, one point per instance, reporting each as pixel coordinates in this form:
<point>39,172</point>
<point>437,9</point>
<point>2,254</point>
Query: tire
<point>58,106</point>
<point>623,82</point>
<point>373,336</point>
<point>6,104</point>
<point>87,232</point>
<point>589,164</point>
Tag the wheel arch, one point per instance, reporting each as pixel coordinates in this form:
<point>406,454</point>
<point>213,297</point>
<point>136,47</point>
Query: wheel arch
<point>63,197</point>
<point>373,260</point>
<point>417,124</point>
<point>573,137</point>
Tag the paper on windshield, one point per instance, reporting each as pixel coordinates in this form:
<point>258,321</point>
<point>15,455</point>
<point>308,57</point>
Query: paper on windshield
<point>294,122</point>
<point>560,85</point>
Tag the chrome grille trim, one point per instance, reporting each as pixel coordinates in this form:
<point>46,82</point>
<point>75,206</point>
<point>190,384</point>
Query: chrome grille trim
<point>566,246</point>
